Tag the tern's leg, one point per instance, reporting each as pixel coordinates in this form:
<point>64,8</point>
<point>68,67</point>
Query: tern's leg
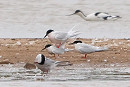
<point>54,55</point>
<point>59,45</point>
<point>47,71</point>
<point>85,56</point>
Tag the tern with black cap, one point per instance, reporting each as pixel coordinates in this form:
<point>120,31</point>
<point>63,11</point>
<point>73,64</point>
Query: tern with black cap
<point>60,37</point>
<point>86,48</point>
<point>52,49</point>
<point>46,64</point>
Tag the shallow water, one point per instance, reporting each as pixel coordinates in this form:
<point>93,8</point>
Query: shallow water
<point>18,73</point>
<point>32,18</point>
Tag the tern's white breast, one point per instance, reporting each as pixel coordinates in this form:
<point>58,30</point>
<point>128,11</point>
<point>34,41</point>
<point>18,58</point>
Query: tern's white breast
<point>50,49</point>
<point>52,38</point>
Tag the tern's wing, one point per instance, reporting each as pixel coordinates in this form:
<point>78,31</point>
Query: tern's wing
<point>58,50</point>
<point>43,67</point>
<point>85,48</point>
<point>60,35</point>
<point>49,62</point>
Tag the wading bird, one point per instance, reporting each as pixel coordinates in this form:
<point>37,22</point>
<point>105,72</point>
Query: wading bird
<point>46,64</point>
<point>98,16</point>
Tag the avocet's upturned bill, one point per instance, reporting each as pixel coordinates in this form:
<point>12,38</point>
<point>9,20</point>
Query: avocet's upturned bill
<point>86,48</point>
<point>98,16</point>
<point>59,37</point>
<point>52,49</point>
<point>46,64</point>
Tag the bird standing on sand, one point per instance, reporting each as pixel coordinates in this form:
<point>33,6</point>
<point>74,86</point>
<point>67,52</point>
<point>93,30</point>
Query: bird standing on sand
<point>59,37</point>
<point>46,64</point>
<point>52,49</point>
<point>98,16</point>
<point>86,48</point>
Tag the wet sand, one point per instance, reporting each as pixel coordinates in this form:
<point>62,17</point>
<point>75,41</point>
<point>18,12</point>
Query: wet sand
<point>25,50</point>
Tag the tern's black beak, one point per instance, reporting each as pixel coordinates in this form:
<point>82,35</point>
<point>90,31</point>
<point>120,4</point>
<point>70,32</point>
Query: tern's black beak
<point>43,49</point>
<point>48,32</point>
<point>45,35</point>
<point>48,45</point>
<point>71,43</point>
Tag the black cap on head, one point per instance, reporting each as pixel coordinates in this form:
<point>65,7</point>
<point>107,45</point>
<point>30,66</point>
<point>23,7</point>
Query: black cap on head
<point>49,31</point>
<point>42,59</point>
<point>75,42</point>
<point>78,41</point>
<point>48,45</point>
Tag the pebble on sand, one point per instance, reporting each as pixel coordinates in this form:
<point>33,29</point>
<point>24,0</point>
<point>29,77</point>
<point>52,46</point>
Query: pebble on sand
<point>29,66</point>
<point>5,62</point>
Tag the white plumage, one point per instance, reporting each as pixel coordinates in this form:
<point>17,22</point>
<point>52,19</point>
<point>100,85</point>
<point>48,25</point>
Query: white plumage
<point>46,64</point>
<point>98,16</point>
<point>59,37</point>
<point>43,63</point>
<point>86,48</point>
<point>52,49</point>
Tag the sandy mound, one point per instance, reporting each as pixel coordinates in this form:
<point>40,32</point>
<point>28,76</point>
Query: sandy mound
<point>25,50</point>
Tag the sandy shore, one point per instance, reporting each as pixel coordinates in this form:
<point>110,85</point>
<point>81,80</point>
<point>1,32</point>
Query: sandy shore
<point>25,50</point>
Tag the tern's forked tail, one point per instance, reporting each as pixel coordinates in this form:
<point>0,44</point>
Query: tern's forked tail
<point>102,49</point>
<point>73,33</point>
<point>63,63</point>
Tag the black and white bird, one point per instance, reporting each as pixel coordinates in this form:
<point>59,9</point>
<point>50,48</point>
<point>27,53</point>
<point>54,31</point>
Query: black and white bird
<point>98,16</point>
<point>52,49</point>
<point>46,64</point>
<point>60,37</point>
<point>86,48</point>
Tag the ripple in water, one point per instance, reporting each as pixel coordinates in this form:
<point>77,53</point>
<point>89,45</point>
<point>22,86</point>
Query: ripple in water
<point>17,73</point>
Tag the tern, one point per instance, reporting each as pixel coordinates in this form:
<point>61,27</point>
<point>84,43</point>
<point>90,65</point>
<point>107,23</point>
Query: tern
<point>52,49</point>
<point>60,37</point>
<point>86,48</point>
<point>46,64</point>
<point>98,16</point>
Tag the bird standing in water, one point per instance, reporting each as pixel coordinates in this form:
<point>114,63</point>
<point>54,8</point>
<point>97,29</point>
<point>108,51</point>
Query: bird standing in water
<point>98,16</point>
<point>46,64</point>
